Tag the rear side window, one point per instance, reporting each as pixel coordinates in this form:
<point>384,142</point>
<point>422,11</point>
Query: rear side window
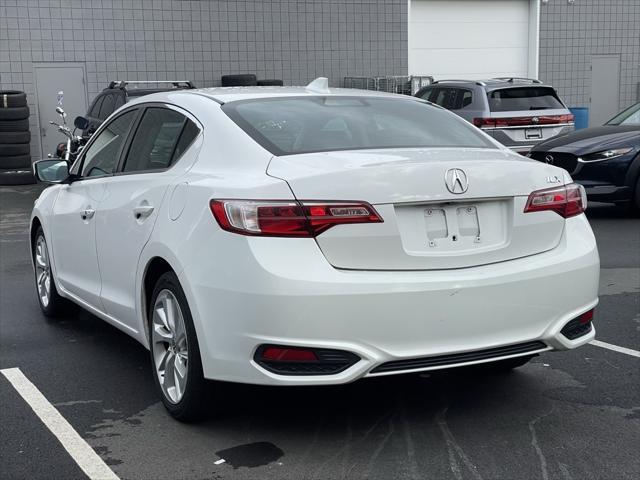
<point>424,94</point>
<point>466,98</point>
<point>155,140</point>
<point>450,98</point>
<point>188,135</point>
<point>107,107</point>
<point>119,102</point>
<point>95,109</point>
<point>523,98</point>
<point>292,125</point>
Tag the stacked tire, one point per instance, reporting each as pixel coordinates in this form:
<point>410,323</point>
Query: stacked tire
<point>15,154</point>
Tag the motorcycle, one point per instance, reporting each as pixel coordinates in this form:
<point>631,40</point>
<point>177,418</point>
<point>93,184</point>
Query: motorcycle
<point>70,149</point>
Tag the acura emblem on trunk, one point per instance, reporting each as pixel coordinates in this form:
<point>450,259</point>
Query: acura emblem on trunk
<point>548,159</point>
<point>456,180</point>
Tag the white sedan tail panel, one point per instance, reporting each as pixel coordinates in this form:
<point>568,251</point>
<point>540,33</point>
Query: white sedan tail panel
<point>426,226</point>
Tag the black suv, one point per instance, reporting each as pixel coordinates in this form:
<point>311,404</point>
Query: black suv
<point>120,92</point>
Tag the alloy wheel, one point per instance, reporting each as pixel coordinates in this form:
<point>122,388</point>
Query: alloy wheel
<point>169,345</point>
<point>43,271</point>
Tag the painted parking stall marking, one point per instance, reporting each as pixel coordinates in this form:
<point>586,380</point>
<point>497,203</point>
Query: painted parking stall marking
<point>615,348</point>
<point>81,452</point>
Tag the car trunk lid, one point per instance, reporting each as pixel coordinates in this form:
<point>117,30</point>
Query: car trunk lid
<point>426,226</point>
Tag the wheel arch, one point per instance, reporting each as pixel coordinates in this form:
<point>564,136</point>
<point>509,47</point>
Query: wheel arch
<point>35,224</point>
<point>633,173</point>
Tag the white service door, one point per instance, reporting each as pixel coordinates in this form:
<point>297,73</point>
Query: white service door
<point>470,39</point>
<point>51,79</point>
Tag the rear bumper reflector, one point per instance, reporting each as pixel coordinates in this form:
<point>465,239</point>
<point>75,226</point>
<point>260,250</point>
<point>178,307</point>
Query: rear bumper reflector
<point>579,326</point>
<point>286,360</point>
<point>455,358</point>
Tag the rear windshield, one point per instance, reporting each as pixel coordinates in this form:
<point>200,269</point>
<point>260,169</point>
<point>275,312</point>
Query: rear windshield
<point>523,98</point>
<point>292,125</point>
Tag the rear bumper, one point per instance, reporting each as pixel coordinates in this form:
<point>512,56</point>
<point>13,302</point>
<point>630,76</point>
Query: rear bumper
<point>284,292</point>
<point>516,138</point>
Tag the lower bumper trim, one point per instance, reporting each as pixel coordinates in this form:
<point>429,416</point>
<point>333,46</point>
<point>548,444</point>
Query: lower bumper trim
<point>452,359</point>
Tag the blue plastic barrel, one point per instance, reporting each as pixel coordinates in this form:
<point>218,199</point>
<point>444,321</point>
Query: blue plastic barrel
<point>581,115</point>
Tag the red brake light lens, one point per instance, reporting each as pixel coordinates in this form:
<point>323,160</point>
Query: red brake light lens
<point>566,200</point>
<point>501,122</point>
<point>586,317</point>
<point>281,354</point>
<point>288,218</point>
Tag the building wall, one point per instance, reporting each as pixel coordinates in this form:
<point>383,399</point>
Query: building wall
<point>571,34</point>
<point>200,40</point>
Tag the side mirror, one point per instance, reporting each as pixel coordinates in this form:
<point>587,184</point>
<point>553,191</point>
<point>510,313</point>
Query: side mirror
<point>81,123</point>
<point>51,170</point>
<point>60,111</point>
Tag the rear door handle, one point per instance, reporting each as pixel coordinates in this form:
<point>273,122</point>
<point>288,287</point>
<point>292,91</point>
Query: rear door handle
<point>142,211</point>
<point>87,213</point>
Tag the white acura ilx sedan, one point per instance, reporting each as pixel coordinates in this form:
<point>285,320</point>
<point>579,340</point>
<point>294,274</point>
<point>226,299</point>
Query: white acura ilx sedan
<point>312,236</point>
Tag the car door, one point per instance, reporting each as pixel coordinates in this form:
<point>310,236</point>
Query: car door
<point>76,210</point>
<point>132,201</point>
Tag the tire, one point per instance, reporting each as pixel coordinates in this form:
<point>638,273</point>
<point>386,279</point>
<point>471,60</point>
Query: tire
<point>51,304</point>
<point>239,80</point>
<point>176,345</point>
<point>14,126</point>
<point>270,82</point>
<point>15,161</point>
<point>15,137</point>
<point>14,113</point>
<point>16,177</point>
<point>12,149</point>
<point>12,98</point>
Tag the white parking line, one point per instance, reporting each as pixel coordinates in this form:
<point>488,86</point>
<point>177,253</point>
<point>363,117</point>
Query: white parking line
<point>86,458</point>
<point>615,348</point>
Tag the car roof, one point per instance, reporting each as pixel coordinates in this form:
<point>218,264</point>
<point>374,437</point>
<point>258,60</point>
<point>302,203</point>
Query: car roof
<point>231,94</point>
<point>494,83</point>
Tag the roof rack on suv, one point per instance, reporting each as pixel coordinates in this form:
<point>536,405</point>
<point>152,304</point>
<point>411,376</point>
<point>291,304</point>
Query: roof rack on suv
<point>511,79</point>
<point>175,83</point>
<point>477,82</point>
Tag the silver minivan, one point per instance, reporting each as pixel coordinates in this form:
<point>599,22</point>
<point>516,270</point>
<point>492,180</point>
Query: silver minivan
<point>518,112</point>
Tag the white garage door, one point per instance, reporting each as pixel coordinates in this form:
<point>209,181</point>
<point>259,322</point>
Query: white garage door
<point>473,38</point>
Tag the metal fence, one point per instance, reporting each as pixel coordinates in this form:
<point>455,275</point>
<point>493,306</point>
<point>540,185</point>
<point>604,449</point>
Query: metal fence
<point>404,84</point>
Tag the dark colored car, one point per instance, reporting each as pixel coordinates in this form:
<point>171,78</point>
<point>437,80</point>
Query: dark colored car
<point>605,160</point>
<point>120,92</point>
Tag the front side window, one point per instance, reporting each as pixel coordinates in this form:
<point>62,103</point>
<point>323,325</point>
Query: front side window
<point>523,98</point>
<point>155,141</point>
<point>102,156</point>
<point>286,126</point>
<point>630,116</point>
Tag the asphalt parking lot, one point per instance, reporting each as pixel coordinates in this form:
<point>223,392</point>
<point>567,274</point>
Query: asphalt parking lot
<point>567,415</point>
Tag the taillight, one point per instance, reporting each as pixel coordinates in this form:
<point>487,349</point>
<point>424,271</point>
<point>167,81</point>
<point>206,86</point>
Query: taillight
<point>288,218</point>
<point>567,200</point>
<point>493,122</point>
